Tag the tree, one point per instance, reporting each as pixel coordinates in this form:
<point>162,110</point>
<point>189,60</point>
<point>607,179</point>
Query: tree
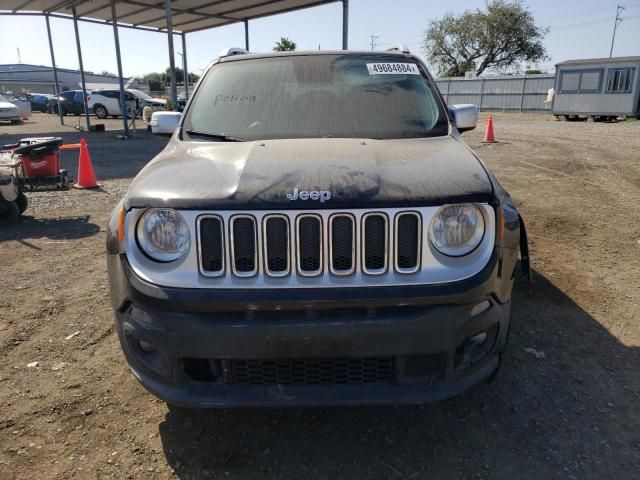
<point>499,38</point>
<point>284,45</point>
<point>156,81</point>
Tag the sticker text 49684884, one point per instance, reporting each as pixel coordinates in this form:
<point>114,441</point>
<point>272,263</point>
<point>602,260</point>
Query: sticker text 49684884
<point>393,69</point>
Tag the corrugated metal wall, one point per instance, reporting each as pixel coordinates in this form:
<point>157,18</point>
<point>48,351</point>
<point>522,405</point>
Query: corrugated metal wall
<point>521,93</point>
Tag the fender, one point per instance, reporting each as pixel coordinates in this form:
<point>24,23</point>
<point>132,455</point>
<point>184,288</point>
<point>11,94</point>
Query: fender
<point>525,259</point>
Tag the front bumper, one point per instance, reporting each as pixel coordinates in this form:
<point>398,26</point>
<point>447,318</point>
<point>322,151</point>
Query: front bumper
<point>428,335</point>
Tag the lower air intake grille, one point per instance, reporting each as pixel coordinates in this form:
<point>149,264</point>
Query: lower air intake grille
<point>313,371</point>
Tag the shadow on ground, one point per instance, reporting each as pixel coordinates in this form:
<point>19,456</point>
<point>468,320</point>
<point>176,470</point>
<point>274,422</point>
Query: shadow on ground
<point>562,416</point>
<point>112,158</point>
<point>62,228</point>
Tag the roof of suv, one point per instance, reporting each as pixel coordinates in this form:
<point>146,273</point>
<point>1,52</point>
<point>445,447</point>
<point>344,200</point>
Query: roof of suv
<point>248,56</point>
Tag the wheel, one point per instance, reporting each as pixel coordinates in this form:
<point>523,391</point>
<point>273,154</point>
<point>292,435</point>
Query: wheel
<point>23,202</point>
<point>9,213</point>
<point>100,111</point>
<point>16,122</point>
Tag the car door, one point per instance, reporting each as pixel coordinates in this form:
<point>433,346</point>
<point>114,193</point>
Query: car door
<point>78,103</point>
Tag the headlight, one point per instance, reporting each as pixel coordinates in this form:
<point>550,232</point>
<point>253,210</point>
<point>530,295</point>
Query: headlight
<point>456,230</point>
<point>163,234</point>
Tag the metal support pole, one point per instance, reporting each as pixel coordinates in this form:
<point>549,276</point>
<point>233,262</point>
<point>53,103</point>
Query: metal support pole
<point>172,62</point>
<point>481,93</point>
<point>123,102</point>
<point>345,24</point>
<point>184,66</point>
<point>56,85</point>
<point>84,85</point>
<point>246,34</point>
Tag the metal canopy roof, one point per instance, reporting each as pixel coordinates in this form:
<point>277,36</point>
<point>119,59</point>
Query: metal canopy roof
<point>188,15</point>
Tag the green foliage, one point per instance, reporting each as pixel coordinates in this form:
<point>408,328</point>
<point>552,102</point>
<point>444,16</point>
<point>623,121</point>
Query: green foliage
<point>534,71</point>
<point>284,45</point>
<point>158,81</point>
<point>499,38</point>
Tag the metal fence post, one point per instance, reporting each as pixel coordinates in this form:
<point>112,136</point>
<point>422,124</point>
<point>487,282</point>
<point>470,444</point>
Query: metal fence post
<point>481,92</point>
<point>524,84</point>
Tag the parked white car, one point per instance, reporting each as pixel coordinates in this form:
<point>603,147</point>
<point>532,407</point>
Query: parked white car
<point>8,111</point>
<point>106,102</point>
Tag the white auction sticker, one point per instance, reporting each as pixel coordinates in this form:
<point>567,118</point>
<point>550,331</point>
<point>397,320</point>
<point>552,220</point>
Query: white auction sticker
<point>393,69</point>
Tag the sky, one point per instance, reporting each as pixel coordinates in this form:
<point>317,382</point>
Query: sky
<point>578,29</point>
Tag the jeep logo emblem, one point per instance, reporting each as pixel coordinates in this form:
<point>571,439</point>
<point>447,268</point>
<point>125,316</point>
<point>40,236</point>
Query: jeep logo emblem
<point>322,195</point>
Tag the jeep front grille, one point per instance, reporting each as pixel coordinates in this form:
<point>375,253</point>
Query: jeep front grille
<point>320,248</point>
<point>303,244</point>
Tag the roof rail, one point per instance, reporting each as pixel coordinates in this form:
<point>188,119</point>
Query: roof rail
<point>398,47</point>
<point>228,52</point>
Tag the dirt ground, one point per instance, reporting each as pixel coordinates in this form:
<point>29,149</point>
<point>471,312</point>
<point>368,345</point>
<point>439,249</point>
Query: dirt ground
<point>570,412</point>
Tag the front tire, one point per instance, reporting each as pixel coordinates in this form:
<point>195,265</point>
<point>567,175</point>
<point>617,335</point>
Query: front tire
<point>9,213</point>
<point>23,202</point>
<point>100,111</point>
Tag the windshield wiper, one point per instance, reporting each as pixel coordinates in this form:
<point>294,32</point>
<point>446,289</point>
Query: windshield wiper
<point>223,137</point>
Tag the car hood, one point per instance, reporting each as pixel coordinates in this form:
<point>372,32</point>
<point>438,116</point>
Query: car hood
<point>156,101</point>
<point>264,174</point>
<point>7,105</point>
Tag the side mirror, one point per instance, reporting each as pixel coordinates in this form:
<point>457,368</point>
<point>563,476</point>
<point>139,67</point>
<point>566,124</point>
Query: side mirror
<point>164,122</point>
<point>465,117</point>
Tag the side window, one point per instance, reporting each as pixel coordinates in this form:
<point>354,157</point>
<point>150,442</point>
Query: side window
<point>581,81</point>
<point>620,80</point>
<point>569,82</point>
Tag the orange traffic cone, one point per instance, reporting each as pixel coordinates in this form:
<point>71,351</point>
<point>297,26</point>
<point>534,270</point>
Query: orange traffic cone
<point>86,176</point>
<point>488,135</point>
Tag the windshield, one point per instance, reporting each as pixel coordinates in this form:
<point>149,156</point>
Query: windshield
<point>315,96</point>
<point>3,99</point>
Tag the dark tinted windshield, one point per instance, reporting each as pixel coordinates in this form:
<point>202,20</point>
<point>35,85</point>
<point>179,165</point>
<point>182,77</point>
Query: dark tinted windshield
<point>342,96</point>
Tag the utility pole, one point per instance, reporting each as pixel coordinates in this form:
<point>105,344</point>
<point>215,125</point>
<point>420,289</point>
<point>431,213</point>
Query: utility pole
<point>373,42</point>
<point>615,27</point>
<point>19,59</point>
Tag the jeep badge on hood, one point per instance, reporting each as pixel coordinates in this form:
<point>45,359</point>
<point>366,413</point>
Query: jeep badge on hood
<point>322,195</point>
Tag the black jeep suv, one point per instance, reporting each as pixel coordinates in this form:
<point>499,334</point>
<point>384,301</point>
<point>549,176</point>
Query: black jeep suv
<point>315,232</point>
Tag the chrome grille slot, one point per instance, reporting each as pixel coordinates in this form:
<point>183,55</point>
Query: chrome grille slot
<point>309,245</point>
<point>342,242</point>
<point>276,245</point>
<point>244,245</point>
<point>375,243</point>
<point>408,228</point>
<point>211,233</point>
